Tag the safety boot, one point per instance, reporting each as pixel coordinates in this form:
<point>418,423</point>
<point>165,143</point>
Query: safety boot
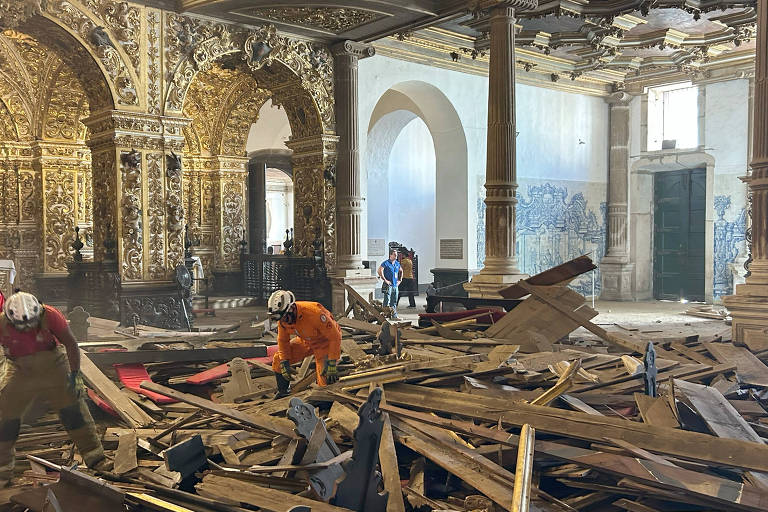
<point>283,385</point>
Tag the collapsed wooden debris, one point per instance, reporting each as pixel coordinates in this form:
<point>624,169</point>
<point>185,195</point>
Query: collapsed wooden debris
<point>538,408</point>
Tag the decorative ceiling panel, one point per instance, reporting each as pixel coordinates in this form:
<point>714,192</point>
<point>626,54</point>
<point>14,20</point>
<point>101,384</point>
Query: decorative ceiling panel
<point>334,20</point>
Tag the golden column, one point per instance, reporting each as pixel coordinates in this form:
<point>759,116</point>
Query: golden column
<point>749,305</point>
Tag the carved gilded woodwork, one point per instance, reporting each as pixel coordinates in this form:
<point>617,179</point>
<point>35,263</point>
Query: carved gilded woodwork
<point>104,203</point>
<point>176,214</point>
<point>331,19</point>
<point>230,195</point>
<point>111,57</point>
<point>154,94</point>
<point>131,215</point>
<point>156,210</point>
<point>14,12</point>
<point>60,199</point>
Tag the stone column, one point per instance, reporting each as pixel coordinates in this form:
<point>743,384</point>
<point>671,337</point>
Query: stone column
<point>500,266</point>
<point>348,194</point>
<point>349,200</point>
<point>616,270</point>
<point>749,305</point>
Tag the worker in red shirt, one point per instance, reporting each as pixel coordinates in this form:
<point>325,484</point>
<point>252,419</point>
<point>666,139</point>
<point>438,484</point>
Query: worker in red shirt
<point>317,333</point>
<point>41,359</point>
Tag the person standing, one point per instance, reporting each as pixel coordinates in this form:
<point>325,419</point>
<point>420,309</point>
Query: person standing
<point>42,359</point>
<point>408,286</point>
<point>391,273</point>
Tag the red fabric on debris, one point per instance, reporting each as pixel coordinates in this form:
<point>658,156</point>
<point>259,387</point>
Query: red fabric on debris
<point>221,371</point>
<point>132,375</point>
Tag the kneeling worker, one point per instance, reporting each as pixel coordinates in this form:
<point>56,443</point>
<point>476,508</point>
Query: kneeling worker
<point>317,333</point>
<point>41,359</point>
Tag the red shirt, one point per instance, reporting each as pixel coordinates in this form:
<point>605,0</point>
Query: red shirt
<point>23,343</point>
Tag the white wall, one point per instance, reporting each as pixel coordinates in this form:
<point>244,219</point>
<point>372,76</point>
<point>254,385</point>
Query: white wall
<point>270,131</point>
<point>468,96</point>
<point>548,155</point>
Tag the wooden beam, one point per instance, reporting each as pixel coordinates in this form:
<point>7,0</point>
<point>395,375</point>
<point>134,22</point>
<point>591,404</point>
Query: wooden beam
<point>523,470</point>
<point>128,411</point>
<point>256,421</point>
<point>676,443</point>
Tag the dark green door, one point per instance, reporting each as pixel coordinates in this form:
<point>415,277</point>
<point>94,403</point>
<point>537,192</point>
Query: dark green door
<point>679,247</point>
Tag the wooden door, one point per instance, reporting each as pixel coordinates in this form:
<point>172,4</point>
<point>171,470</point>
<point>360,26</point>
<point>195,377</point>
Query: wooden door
<point>679,234</point>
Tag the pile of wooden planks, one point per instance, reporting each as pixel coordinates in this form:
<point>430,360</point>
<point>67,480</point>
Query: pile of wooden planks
<point>541,410</point>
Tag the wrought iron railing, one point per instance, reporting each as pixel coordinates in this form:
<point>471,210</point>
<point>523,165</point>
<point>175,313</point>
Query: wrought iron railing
<point>265,273</point>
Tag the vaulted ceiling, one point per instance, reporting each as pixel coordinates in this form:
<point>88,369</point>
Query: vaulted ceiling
<point>604,44</point>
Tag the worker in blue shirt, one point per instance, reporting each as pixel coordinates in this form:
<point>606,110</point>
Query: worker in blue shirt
<point>391,273</point>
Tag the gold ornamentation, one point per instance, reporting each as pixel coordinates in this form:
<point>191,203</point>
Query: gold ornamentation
<point>155,216</point>
<point>123,21</point>
<point>191,45</point>
<point>109,56</point>
<point>130,210</point>
<point>329,19</point>
<point>232,220</point>
<point>154,100</point>
<point>60,193</point>
<point>15,12</point>
<point>175,202</point>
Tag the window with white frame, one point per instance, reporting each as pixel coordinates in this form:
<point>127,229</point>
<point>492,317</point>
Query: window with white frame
<point>673,115</point>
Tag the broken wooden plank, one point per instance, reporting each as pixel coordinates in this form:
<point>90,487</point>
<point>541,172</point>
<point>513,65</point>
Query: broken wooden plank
<point>105,359</point>
<point>128,411</point>
<point>749,369</point>
<point>656,411</point>
<point>678,443</point>
<point>125,457</point>
<point>273,500</point>
<point>262,422</point>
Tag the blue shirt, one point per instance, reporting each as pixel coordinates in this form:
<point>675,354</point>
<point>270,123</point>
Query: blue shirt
<point>391,271</point>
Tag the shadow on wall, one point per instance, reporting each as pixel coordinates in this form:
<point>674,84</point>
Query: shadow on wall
<point>553,228</point>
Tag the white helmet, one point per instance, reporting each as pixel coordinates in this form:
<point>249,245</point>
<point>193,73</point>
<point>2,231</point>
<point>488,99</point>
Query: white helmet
<point>23,310</point>
<point>279,303</point>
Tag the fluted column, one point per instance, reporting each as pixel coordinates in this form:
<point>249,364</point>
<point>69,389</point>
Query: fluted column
<point>615,269</point>
<point>749,305</point>
<point>500,265</point>
<point>348,193</point>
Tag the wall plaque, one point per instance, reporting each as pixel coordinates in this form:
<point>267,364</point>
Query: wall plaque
<point>451,248</point>
<point>376,247</point>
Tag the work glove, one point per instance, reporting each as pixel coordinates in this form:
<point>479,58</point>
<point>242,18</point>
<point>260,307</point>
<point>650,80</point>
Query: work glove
<point>75,383</point>
<point>287,370</point>
<point>330,371</point>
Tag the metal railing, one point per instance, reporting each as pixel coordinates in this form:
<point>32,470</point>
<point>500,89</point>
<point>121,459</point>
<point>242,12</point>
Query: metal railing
<point>265,273</point>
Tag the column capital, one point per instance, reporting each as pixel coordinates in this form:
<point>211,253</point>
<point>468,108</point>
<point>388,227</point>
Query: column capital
<point>621,98</point>
<point>352,49</point>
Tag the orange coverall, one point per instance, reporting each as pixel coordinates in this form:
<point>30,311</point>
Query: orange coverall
<point>317,333</point>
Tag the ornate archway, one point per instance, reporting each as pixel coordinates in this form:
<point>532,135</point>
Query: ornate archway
<point>299,77</point>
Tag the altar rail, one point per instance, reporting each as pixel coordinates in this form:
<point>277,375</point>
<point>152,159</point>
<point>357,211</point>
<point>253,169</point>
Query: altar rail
<point>265,273</point>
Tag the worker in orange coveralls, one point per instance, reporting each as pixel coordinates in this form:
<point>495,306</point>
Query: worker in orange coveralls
<point>317,333</point>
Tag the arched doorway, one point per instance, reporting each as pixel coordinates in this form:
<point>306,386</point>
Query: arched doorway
<point>416,140</point>
<point>224,101</point>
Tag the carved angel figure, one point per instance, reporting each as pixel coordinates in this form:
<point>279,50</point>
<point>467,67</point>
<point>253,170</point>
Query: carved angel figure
<point>131,161</point>
<point>172,165</point>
